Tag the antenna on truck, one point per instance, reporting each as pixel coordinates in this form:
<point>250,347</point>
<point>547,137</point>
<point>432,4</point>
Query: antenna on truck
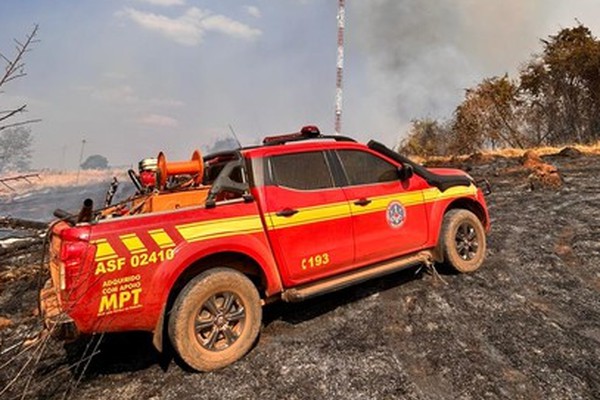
<point>234,136</point>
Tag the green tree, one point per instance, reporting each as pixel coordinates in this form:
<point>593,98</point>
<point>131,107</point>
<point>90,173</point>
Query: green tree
<point>426,137</point>
<point>562,86</point>
<point>95,161</point>
<point>490,116</point>
<point>222,144</point>
<point>555,101</point>
<point>15,149</point>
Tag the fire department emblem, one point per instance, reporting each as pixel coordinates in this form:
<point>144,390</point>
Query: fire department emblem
<point>395,214</point>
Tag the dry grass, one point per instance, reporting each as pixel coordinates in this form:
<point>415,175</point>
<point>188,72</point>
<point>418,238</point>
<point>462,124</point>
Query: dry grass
<point>593,149</point>
<point>547,150</point>
<point>59,179</point>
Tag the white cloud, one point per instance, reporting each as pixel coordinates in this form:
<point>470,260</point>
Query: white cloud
<point>253,11</point>
<point>158,121</point>
<point>165,3</point>
<point>228,26</point>
<point>190,28</point>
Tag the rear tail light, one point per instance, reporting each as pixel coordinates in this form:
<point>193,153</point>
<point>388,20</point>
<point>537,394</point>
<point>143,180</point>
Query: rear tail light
<point>72,256</point>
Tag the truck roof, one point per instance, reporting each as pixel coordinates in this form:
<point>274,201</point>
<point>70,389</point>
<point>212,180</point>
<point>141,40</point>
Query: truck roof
<point>300,146</point>
<point>307,139</point>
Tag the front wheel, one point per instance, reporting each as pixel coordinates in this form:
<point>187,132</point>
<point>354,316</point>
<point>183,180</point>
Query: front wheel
<point>215,319</point>
<point>462,240</point>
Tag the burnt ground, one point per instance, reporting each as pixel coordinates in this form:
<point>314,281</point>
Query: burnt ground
<point>525,326</point>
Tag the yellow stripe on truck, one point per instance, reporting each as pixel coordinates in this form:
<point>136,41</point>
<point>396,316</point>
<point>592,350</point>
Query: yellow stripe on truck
<point>161,238</point>
<point>104,250</point>
<point>381,203</point>
<point>434,194</point>
<point>220,228</point>
<point>310,214</point>
<point>133,243</point>
<point>378,204</point>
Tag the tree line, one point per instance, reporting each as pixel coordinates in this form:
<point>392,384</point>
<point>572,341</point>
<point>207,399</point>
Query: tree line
<point>555,100</point>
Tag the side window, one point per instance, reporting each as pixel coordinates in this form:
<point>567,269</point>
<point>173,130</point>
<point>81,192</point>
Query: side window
<point>363,168</point>
<point>303,171</point>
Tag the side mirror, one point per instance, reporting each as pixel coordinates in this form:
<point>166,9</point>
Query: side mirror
<point>405,172</point>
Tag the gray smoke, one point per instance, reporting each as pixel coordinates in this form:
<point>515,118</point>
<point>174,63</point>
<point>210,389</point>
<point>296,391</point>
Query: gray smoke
<point>423,54</point>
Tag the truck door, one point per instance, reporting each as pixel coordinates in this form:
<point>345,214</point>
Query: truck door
<point>388,216</point>
<point>307,216</point>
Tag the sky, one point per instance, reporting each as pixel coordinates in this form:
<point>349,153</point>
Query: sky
<point>135,77</point>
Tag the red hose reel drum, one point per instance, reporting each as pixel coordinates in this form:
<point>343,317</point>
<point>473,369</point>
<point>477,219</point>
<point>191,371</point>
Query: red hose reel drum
<point>195,166</point>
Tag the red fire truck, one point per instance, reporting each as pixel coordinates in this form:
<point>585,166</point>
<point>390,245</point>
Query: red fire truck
<point>204,244</point>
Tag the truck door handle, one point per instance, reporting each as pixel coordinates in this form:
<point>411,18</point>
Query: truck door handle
<point>362,202</point>
<point>286,212</point>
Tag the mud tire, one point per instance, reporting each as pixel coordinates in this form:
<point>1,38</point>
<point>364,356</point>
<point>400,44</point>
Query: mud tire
<point>190,307</point>
<point>458,223</point>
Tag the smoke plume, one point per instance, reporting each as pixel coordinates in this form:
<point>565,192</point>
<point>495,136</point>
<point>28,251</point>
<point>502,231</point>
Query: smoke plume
<point>422,54</point>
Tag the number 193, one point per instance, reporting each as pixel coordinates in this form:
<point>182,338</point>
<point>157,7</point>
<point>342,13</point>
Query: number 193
<point>315,261</point>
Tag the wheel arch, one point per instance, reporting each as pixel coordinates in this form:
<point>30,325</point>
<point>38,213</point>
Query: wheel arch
<point>461,203</point>
<point>235,259</point>
<point>238,261</point>
<point>469,204</point>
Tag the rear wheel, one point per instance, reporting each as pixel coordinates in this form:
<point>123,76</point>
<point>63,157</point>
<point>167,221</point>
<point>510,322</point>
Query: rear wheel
<point>462,240</point>
<point>215,319</point>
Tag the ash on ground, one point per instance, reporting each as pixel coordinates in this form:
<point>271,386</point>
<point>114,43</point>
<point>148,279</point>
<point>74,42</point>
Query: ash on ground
<point>525,326</point>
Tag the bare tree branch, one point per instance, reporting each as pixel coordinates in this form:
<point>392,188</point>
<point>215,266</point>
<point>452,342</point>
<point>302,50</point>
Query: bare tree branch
<point>9,111</point>
<point>13,112</point>
<point>4,58</point>
<point>29,121</point>
<point>15,69</point>
<point>13,65</point>
<point>12,78</point>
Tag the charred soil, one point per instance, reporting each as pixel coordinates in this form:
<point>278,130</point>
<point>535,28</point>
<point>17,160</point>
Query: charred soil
<point>526,325</point>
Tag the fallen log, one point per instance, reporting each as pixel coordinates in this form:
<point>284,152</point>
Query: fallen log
<point>24,177</point>
<point>16,246</point>
<point>18,223</point>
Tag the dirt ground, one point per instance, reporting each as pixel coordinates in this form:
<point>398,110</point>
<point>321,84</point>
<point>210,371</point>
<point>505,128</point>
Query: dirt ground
<point>525,326</point>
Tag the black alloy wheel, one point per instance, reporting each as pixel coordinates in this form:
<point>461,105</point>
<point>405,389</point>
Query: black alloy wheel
<point>220,321</point>
<point>466,241</point>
